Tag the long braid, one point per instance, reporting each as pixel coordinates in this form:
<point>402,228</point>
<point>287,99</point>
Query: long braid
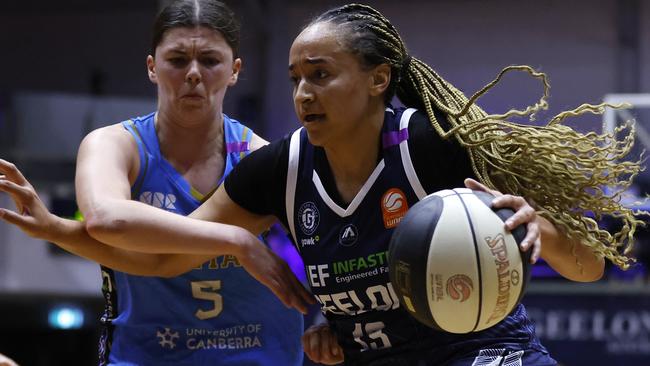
<point>572,178</point>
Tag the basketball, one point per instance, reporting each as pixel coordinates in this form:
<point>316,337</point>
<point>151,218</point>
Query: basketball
<point>454,266</point>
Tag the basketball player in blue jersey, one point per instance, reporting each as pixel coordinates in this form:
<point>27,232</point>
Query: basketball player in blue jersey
<point>332,183</point>
<point>173,159</point>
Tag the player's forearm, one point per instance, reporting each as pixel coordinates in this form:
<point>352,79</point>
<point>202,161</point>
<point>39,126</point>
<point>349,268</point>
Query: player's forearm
<point>135,226</point>
<point>572,260</point>
<point>71,236</point>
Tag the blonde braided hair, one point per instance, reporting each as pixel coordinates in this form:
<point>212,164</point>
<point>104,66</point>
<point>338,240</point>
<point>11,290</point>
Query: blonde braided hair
<point>573,179</point>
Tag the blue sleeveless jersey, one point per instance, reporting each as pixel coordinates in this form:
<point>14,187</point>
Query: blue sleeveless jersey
<point>213,315</point>
<point>345,254</point>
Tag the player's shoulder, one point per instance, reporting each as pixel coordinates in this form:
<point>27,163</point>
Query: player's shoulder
<point>114,133</point>
<point>109,138</point>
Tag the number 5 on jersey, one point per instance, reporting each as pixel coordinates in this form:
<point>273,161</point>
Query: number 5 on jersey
<point>207,290</point>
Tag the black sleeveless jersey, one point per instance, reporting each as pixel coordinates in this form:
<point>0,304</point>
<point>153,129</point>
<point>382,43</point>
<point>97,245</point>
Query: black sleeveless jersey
<point>344,250</point>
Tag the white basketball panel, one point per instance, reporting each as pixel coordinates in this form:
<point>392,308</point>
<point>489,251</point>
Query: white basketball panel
<point>452,253</point>
<point>500,261</point>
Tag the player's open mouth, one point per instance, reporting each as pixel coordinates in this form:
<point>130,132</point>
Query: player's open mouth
<point>313,118</point>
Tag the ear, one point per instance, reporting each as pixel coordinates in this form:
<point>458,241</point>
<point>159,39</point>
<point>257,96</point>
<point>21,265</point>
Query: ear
<point>236,67</point>
<point>379,79</point>
<point>151,69</point>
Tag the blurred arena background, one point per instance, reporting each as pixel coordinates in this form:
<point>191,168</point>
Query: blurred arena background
<point>69,66</point>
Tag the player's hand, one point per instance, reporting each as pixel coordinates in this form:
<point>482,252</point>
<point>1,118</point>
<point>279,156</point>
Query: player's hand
<point>274,273</point>
<point>31,215</point>
<point>524,214</point>
<point>321,346</point>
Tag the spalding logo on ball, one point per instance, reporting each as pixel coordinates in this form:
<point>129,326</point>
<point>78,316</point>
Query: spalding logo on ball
<point>453,264</point>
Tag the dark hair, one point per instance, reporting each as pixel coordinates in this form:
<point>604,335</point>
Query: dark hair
<point>367,34</point>
<point>212,14</point>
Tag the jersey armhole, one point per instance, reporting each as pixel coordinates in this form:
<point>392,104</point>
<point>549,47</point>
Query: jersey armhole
<point>406,156</point>
<point>144,162</point>
<point>292,179</point>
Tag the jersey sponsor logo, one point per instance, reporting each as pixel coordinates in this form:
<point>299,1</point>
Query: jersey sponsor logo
<point>167,338</point>
<point>241,336</point>
<point>158,200</point>
<point>308,242</point>
<point>393,207</point>
<point>459,287</point>
<point>308,218</point>
<point>348,235</point>
<point>361,263</point>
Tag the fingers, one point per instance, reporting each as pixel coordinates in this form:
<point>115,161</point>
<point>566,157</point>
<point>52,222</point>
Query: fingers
<point>289,290</point>
<point>303,298</point>
<point>14,218</point>
<point>321,345</point>
<point>537,251</point>
<point>478,186</point>
<point>12,173</point>
<point>475,185</point>
<point>330,349</point>
<point>20,195</point>
<point>532,241</point>
<point>17,192</point>
<point>300,297</point>
<point>524,214</point>
<point>302,292</point>
<point>310,345</point>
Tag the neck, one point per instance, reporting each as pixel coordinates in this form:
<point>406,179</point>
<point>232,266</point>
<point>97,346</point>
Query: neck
<point>353,158</point>
<point>190,138</point>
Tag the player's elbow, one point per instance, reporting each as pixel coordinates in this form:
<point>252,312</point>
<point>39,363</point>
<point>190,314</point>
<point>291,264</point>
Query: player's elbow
<point>593,274</point>
<point>103,225</point>
<point>587,271</point>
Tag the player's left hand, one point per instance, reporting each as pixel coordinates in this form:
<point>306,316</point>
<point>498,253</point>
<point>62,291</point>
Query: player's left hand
<point>321,346</point>
<point>524,214</point>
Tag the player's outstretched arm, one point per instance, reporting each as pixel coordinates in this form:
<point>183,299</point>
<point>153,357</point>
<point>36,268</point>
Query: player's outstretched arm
<point>572,260</point>
<point>33,218</point>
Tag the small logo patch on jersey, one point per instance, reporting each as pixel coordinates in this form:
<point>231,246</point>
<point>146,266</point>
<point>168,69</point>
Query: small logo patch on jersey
<point>348,235</point>
<point>167,338</point>
<point>459,287</point>
<point>393,207</point>
<point>308,218</point>
<point>159,200</point>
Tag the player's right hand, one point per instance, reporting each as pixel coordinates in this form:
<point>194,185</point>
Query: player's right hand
<point>274,273</point>
<point>321,346</point>
<point>31,215</point>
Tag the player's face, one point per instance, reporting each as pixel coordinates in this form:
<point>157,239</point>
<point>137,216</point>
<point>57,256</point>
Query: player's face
<point>193,67</point>
<point>330,89</point>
